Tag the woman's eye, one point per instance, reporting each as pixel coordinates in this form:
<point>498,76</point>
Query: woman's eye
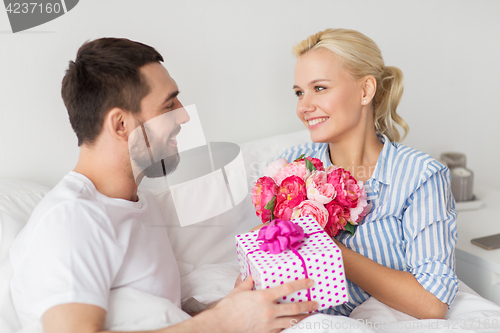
<point>319,88</point>
<point>298,93</point>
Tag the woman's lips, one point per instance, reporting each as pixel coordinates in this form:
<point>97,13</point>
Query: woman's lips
<point>316,122</point>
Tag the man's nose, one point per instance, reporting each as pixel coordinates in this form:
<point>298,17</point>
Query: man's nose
<point>182,116</point>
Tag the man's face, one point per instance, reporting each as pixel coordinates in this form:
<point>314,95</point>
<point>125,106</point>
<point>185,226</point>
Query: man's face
<point>153,145</point>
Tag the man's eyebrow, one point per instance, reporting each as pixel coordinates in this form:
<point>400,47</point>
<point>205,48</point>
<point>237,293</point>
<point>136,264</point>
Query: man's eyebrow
<point>312,82</point>
<point>170,96</point>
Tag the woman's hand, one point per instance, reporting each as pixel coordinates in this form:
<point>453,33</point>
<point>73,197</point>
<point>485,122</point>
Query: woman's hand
<point>339,244</point>
<point>260,226</point>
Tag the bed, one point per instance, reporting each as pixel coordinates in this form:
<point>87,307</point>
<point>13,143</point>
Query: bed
<point>209,269</point>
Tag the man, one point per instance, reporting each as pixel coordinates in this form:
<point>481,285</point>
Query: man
<point>92,232</point>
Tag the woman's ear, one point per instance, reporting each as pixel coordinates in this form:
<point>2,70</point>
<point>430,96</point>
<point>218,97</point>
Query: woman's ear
<point>119,123</point>
<point>369,87</point>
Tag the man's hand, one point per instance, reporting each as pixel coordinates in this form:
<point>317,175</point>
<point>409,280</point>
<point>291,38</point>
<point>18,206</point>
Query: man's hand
<point>238,281</point>
<point>247,310</point>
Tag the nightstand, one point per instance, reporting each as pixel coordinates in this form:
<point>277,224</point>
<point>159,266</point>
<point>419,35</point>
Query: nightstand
<point>477,267</point>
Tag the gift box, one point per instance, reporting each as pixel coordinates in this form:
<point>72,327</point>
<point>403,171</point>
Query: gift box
<point>291,250</point>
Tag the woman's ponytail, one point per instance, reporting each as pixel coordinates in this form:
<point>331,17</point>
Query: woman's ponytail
<point>387,98</point>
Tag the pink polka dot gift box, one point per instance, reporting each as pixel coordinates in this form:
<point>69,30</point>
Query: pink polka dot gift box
<point>290,250</point>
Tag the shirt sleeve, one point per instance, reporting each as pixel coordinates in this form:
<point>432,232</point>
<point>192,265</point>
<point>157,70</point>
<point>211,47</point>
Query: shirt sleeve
<point>430,233</point>
<point>71,255</point>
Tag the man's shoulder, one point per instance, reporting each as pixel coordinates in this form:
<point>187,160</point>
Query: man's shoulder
<point>69,192</point>
<point>67,211</point>
<point>68,203</point>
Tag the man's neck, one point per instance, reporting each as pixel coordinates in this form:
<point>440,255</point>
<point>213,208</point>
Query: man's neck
<point>108,171</point>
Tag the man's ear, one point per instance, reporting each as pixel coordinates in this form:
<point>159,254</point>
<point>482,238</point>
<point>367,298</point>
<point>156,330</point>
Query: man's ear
<point>119,123</point>
<point>369,87</point>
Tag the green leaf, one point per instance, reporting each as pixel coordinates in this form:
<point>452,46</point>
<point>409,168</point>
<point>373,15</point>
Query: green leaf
<point>300,157</point>
<point>310,166</point>
<point>270,204</point>
<point>350,228</point>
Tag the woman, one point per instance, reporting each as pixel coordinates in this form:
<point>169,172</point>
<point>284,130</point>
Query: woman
<point>403,252</point>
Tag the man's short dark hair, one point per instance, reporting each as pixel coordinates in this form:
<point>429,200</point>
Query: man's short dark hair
<point>105,74</point>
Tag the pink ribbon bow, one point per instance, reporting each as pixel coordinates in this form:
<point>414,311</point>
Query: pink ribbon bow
<point>280,235</point>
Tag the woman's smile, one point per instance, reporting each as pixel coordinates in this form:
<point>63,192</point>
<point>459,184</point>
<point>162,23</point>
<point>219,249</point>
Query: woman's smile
<point>316,122</point>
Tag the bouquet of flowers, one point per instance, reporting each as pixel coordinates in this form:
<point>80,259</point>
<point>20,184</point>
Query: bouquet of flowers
<point>290,190</point>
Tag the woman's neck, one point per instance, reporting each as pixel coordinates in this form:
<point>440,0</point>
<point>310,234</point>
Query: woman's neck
<point>357,154</point>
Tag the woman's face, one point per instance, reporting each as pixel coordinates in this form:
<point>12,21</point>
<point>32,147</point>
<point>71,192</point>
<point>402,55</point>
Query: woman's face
<point>329,98</point>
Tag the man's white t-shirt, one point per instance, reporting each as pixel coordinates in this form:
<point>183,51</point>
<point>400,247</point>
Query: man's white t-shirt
<point>79,244</point>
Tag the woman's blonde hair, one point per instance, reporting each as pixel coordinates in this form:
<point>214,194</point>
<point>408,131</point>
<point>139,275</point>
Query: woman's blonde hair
<point>362,57</point>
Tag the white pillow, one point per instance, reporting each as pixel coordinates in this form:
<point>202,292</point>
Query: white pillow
<point>207,284</point>
<point>259,153</point>
<point>17,201</point>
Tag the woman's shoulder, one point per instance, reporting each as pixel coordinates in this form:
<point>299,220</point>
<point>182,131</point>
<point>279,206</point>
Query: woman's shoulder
<point>405,157</point>
<point>312,149</point>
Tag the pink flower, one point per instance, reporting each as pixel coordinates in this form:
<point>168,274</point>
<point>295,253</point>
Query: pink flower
<point>357,213</point>
<point>346,186</point>
<point>337,218</point>
<point>311,208</point>
<point>318,189</point>
<point>332,196</point>
<point>317,163</point>
<point>264,190</point>
<point>290,194</point>
<point>297,168</point>
<point>273,168</point>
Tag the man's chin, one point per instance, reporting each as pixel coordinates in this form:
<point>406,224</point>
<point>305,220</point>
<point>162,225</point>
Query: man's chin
<point>163,167</point>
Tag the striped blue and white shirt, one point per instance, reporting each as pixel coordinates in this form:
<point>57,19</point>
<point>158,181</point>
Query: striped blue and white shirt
<point>411,226</point>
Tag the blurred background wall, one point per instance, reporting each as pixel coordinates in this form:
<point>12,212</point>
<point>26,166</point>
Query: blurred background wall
<point>233,60</point>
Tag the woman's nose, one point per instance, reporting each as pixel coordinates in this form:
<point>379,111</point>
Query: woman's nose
<point>305,104</point>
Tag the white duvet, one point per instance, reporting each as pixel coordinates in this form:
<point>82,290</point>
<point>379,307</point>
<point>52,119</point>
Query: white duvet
<point>130,309</point>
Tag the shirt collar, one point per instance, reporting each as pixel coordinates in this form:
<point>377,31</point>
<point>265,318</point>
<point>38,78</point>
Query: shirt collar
<point>326,156</point>
<point>383,168</point>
